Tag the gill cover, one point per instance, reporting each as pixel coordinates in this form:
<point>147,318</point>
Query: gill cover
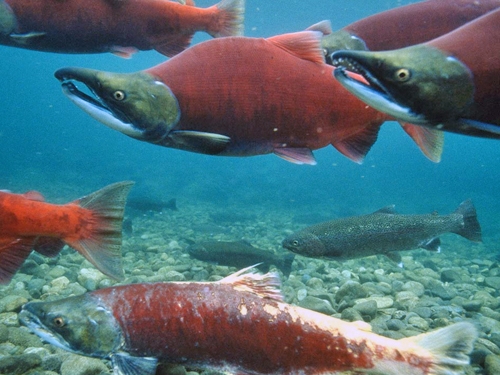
<point>135,104</point>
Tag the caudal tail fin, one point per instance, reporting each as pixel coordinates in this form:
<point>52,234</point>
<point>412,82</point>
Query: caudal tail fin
<point>102,246</point>
<point>471,229</point>
<point>449,347</point>
<point>229,18</point>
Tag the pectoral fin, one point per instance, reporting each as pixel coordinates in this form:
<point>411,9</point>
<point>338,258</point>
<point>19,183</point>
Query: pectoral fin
<point>205,143</point>
<point>28,38</point>
<point>125,364</point>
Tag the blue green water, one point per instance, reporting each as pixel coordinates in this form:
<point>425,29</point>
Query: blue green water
<point>48,144</point>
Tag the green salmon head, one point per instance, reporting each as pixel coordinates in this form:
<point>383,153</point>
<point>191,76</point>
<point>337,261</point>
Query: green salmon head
<point>77,324</point>
<point>341,40</point>
<point>418,84</point>
<point>305,243</point>
<point>135,104</point>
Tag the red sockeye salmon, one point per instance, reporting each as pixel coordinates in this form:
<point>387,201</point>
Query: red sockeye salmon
<point>239,96</point>
<point>91,225</point>
<point>240,325</point>
<point>118,26</point>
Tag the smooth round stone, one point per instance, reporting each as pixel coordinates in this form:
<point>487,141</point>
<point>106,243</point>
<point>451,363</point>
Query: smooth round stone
<point>12,303</point>
<point>422,311</point>
<point>395,324</point>
<point>4,333</point>
<point>474,305</point>
<point>350,290</point>
<point>415,287</point>
<point>366,308</point>
<point>406,299</point>
<point>382,302</point>
<point>301,294</point>
<point>60,282</point>
<point>317,304</point>
<point>315,283</point>
<point>418,323</point>
<point>493,281</point>
<point>78,365</point>
<point>19,364</point>
<point>351,315</point>
<point>9,319</point>
<point>451,276</point>
<point>492,364</point>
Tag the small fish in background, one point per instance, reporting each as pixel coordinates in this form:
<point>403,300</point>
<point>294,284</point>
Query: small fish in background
<point>117,26</point>
<point>92,225</point>
<point>145,204</point>
<point>383,232</point>
<point>237,325</point>
<point>240,254</point>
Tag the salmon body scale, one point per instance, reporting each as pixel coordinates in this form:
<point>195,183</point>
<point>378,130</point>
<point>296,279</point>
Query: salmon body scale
<point>212,325</point>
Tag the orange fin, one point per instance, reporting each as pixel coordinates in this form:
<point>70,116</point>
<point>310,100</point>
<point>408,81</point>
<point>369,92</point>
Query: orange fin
<point>430,141</point>
<point>34,195</point>
<point>13,253</point>
<point>48,246</point>
<point>102,247</point>
<point>228,20</point>
<point>357,146</point>
<point>295,155</point>
<point>304,45</point>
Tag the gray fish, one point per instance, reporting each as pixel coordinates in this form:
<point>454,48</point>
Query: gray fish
<point>240,254</point>
<point>382,232</point>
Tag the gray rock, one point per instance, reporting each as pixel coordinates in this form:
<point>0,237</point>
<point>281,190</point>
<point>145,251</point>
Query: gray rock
<point>419,323</point>
<point>493,281</point>
<point>492,364</point>
<point>441,291</point>
<point>12,303</point>
<point>367,308</point>
<point>349,291</point>
<point>395,324</point>
<point>78,365</point>
<point>415,287</point>
<point>406,300</point>
<point>317,304</point>
<point>52,363</point>
<point>423,311</point>
<point>315,283</point>
<point>19,364</point>
<point>4,333</point>
<point>351,315</point>
<point>474,305</point>
<point>22,337</point>
<point>382,302</point>
<point>451,276</point>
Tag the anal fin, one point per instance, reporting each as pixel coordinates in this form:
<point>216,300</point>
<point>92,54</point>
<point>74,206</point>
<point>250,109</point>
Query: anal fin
<point>295,155</point>
<point>13,253</point>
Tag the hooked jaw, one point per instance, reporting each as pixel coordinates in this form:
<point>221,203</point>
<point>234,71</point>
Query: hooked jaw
<point>134,104</point>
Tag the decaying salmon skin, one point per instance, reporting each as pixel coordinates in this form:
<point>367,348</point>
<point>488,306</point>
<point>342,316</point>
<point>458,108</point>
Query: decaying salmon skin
<point>273,95</point>
<point>239,324</point>
<point>92,225</point>
<point>118,26</point>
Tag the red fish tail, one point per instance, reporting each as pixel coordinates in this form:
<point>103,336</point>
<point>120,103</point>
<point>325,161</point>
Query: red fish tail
<point>101,246</point>
<point>228,19</point>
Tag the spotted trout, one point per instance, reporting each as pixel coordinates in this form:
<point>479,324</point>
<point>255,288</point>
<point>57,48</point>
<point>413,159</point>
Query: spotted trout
<point>382,232</point>
<point>239,324</point>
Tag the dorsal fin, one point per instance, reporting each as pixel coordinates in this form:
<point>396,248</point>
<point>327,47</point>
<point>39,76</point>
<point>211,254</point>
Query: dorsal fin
<point>34,195</point>
<point>265,286</point>
<point>324,27</point>
<point>304,45</point>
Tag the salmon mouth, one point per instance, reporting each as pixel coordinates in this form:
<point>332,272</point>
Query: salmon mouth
<point>94,105</point>
<point>374,93</point>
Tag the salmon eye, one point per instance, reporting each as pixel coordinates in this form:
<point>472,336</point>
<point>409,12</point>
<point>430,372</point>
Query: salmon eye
<point>119,95</point>
<point>295,243</point>
<point>402,75</point>
<point>59,322</point>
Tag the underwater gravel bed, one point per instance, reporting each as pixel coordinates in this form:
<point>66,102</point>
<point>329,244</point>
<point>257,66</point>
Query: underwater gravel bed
<point>431,291</point>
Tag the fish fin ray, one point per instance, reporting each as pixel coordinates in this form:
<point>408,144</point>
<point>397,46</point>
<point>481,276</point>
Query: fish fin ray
<point>175,44</point>
<point>202,142</point>
<point>125,364</point>
<point>229,20</point>
<point>394,256</point>
<point>13,253</point>
<point>124,52</point>
<point>430,141</point>
<point>434,244</point>
<point>471,229</point>
<point>357,146</point>
<point>48,246</point>
<point>34,195</point>
<point>449,347</point>
<point>305,45</point>
<point>265,286</point>
<point>295,155</point>
<point>102,247</point>
<point>324,27</point>
<point>28,38</point>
